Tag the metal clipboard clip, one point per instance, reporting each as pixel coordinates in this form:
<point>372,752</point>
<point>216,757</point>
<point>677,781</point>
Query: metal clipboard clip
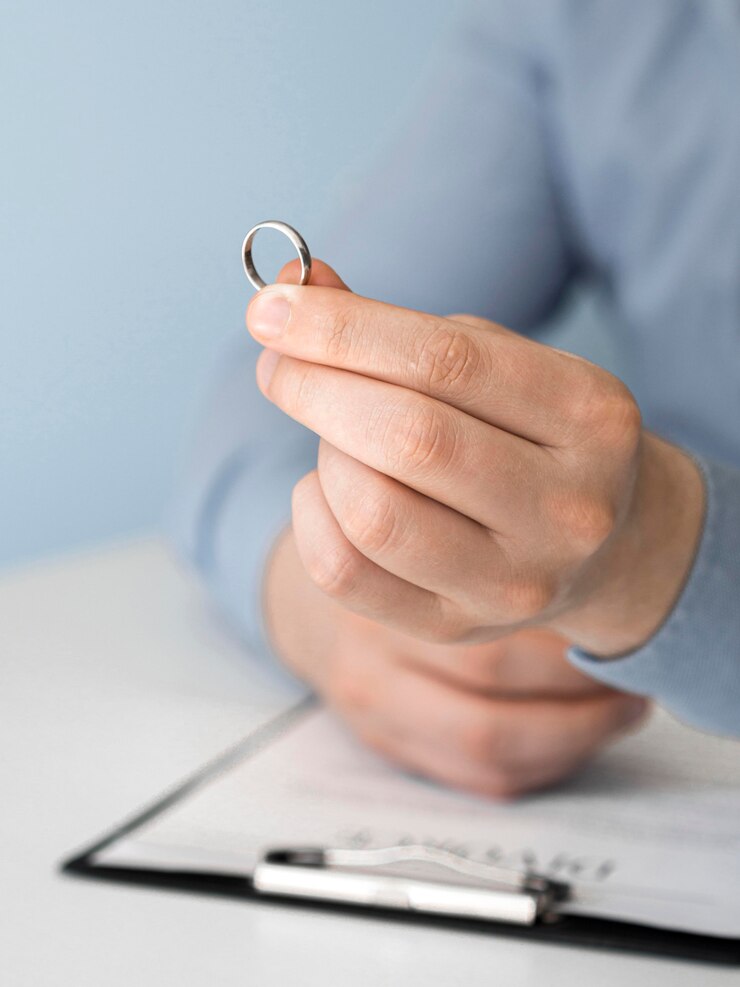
<point>397,877</point>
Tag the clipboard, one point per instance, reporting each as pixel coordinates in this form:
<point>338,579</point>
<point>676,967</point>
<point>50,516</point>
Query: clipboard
<point>409,882</point>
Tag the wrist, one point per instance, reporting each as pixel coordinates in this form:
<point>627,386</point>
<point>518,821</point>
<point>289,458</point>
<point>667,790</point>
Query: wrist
<point>635,583</point>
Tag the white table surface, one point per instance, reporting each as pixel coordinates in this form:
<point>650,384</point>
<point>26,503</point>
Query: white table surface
<point>117,681</point>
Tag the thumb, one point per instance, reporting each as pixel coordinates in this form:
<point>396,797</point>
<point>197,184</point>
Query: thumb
<point>321,275</point>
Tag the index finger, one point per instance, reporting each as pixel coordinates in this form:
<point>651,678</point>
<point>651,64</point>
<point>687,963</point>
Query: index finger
<point>490,373</point>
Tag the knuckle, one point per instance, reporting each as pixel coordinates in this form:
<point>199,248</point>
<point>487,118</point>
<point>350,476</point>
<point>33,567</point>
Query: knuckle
<point>503,785</point>
<point>447,633</point>
<point>589,522</point>
<point>603,408</point>
<point>300,385</point>
<point>450,361</point>
<point>340,329</point>
<point>616,414</point>
<point>422,439</point>
<point>372,522</point>
<point>483,742</point>
<point>302,492</point>
<point>335,571</point>
<point>451,627</point>
<point>584,520</point>
<point>526,598</point>
<point>626,418</point>
<point>351,693</point>
<point>483,667</point>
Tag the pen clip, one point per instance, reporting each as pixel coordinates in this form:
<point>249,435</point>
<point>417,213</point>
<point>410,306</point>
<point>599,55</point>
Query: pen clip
<point>371,877</point>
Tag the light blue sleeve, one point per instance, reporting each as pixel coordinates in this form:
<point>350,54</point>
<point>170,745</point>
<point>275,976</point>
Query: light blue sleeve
<point>691,665</point>
<point>462,215</point>
<point>234,497</point>
<point>463,210</point>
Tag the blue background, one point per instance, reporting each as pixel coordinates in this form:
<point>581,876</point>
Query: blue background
<point>140,142</point>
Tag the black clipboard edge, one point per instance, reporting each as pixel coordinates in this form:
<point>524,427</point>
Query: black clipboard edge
<point>569,930</point>
<point>243,749</point>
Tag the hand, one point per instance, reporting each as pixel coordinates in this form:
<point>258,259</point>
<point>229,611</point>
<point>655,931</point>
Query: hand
<point>498,719</point>
<point>471,482</point>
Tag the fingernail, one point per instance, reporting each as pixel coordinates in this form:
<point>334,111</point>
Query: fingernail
<point>266,364</point>
<point>268,314</point>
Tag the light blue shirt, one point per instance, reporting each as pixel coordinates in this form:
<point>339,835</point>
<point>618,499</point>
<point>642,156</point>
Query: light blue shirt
<point>558,141</point>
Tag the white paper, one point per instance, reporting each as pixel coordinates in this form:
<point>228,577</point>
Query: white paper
<point>648,833</point>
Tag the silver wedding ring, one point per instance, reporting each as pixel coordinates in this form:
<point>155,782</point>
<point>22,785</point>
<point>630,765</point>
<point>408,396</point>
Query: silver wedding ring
<point>295,238</point>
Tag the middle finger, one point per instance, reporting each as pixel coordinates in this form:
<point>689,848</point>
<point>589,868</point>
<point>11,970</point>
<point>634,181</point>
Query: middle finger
<point>475,468</point>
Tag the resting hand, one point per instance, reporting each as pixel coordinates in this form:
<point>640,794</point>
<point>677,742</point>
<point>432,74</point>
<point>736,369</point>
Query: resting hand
<point>499,718</point>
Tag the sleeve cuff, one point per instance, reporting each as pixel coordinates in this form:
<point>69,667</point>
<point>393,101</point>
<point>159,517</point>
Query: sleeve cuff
<point>691,665</point>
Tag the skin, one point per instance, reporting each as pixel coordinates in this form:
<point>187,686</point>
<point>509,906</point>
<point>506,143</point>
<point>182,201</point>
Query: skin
<point>480,502</point>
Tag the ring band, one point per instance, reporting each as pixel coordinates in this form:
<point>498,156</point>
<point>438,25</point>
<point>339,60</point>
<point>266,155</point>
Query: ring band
<point>295,238</point>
